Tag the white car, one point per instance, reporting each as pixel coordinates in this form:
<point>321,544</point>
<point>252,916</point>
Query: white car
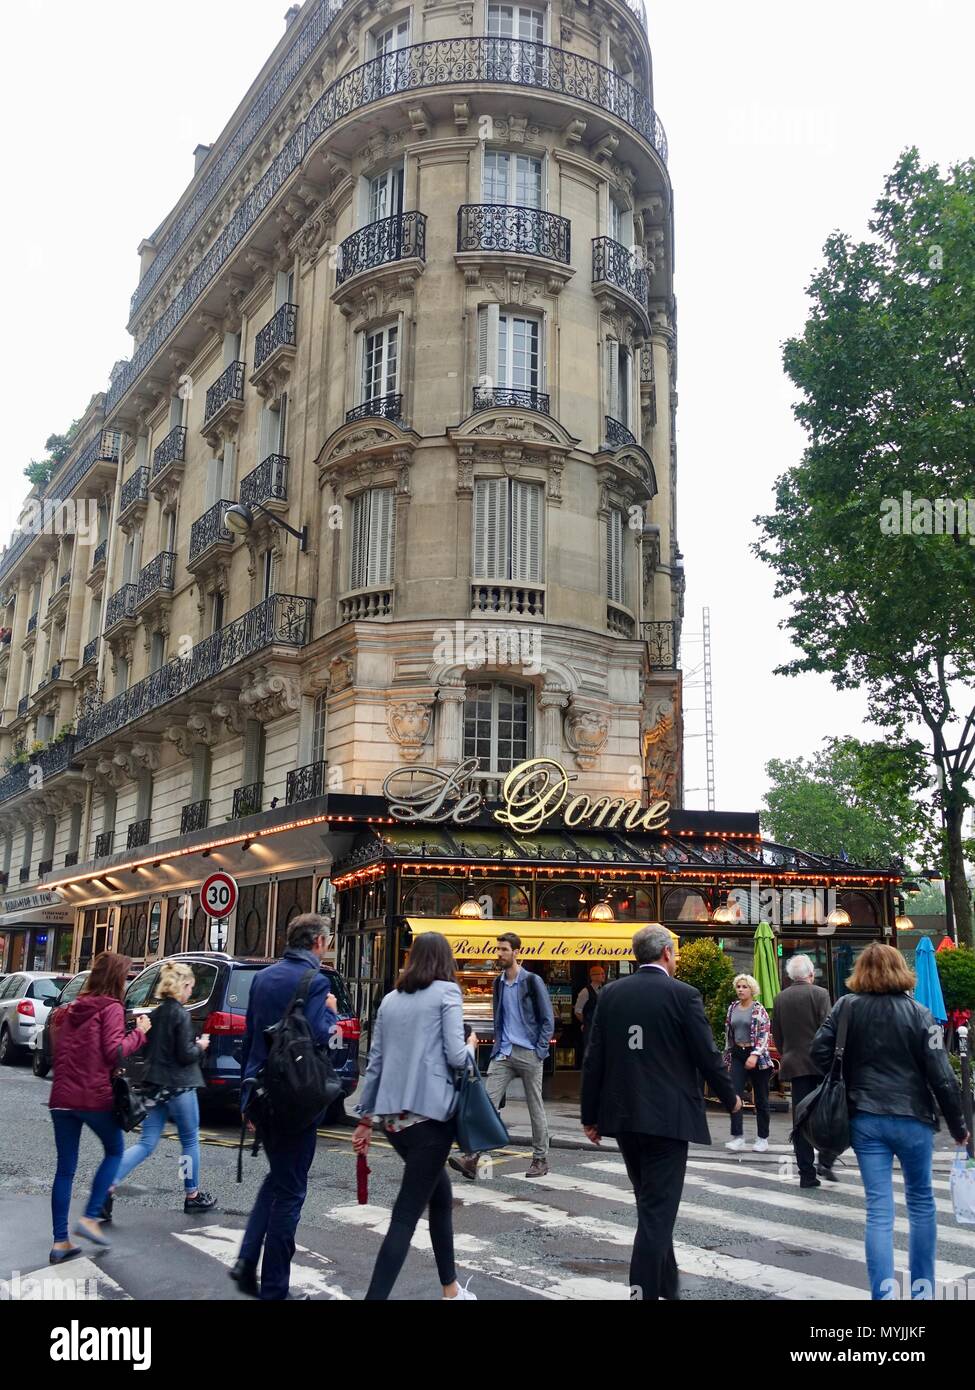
<point>25,999</point>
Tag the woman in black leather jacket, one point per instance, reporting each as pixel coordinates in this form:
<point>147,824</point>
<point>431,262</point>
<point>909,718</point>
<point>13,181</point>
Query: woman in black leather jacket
<point>897,1077</point>
<point>171,1079</point>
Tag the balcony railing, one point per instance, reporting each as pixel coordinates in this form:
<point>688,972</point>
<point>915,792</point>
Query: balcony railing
<point>56,670</point>
<point>366,607</point>
<point>90,655</point>
<point>157,577</point>
<point>615,264</point>
<point>227,388</point>
<point>305,783</point>
<point>121,605</point>
<point>138,834</point>
<point>103,843</point>
<point>32,623</point>
<point>71,859</point>
<point>171,450</point>
<point>209,530</point>
<point>99,554</point>
<point>24,873</point>
<point>281,620</point>
<point>491,397</point>
<point>282,331</point>
<point>617,434</point>
<point>398,238</point>
<point>22,704</point>
<point>44,867</point>
<point>501,597</point>
<point>247,800</point>
<point>379,408</point>
<point>661,640</point>
<point>57,757</point>
<point>462,63</point>
<point>268,482</point>
<point>134,489</point>
<point>619,622</point>
<point>522,231</point>
<point>194,817</point>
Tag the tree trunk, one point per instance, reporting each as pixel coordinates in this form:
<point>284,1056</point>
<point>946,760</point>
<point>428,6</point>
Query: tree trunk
<point>957,883</point>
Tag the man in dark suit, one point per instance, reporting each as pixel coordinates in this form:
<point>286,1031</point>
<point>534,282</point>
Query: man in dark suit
<point>650,1040</point>
<point>798,1014</point>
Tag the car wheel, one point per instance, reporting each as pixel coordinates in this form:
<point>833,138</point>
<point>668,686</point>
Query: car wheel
<point>6,1048</point>
<point>39,1064</point>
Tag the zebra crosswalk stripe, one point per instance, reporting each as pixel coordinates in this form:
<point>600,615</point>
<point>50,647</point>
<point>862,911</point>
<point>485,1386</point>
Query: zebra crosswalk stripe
<point>78,1280</point>
<point>223,1243</point>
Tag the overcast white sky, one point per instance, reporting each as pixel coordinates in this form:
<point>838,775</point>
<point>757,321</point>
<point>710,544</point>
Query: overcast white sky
<point>783,119</point>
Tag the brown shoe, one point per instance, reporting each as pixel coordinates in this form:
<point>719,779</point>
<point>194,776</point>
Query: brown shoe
<point>466,1165</point>
<point>538,1169</point>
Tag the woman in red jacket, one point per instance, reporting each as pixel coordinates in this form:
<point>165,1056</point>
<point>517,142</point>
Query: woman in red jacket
<point>89,1041</point>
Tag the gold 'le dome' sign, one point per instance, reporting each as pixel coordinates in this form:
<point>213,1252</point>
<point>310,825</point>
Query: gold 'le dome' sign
<point>532,793</point>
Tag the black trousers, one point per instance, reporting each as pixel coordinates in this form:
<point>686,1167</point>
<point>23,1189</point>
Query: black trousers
<point>656,1168</point>
<point>803,1086</point>
<point>758,1079</point>
<point>423,1148</point>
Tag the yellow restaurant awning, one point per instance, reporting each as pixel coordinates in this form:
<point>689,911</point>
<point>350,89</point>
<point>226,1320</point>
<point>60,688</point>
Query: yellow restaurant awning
<point>476,940</point>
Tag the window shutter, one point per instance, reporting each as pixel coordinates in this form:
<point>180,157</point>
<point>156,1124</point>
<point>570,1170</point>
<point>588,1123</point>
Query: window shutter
<point>624,377</point>
<point>253,752</point>
<point>360,529</point>
<point>491,528</point>
<point>614,555</point>
<point>488,318</point>
<point>381,538</point>
<point>279,442</point>
<point>612,378</point>
<point>201,772</point>
<point>526,533</point>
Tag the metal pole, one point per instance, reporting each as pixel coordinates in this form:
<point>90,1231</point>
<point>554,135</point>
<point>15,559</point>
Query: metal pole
<point>966,1086</point>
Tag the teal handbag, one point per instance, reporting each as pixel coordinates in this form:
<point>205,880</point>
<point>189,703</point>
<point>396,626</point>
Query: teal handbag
<point>479,1126</point>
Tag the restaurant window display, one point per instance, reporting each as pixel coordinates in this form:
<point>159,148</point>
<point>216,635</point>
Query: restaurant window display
<point>505,900</point>
<point>684,905</point>
<point>432,897</point>
<point>566,902</point>
<point>173,938</point>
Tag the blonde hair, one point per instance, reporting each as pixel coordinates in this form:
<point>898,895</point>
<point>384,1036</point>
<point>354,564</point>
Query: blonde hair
<point>172,977</point>
<point>750,981</point>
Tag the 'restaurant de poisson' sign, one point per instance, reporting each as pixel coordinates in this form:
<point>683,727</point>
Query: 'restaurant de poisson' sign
<point>532,793</point>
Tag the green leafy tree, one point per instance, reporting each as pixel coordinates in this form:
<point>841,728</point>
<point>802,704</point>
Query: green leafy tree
<point>58,446</point>
<point>956,971</point>
<point>858,799</point>
<point>704,965</point>
<point>886,373</point>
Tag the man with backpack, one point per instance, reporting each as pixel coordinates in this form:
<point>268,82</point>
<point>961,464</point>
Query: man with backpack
<point>286,1089</point>
<point>523,1026</point>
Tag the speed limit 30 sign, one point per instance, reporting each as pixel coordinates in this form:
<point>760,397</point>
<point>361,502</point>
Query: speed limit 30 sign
<point>218,896</point>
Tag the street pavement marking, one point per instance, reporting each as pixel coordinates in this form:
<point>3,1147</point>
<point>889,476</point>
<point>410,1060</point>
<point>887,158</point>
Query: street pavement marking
<point>82,1280</point>
<point>942,1204</point>
<point>709,1264</point>
<point>376,1219</point>
<point>222,1243</point>
<point>760,1228</point>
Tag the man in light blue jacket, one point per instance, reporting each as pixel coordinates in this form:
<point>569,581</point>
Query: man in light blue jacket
<point>523,1027</point>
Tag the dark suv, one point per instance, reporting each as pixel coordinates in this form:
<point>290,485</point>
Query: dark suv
<point>218,1006</point>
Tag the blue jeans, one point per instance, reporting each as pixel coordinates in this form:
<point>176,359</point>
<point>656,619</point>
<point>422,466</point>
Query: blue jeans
<point>877,1139</point>
<point>277,1211</point>
<point>68,1125</point>
<point>184,1111</point>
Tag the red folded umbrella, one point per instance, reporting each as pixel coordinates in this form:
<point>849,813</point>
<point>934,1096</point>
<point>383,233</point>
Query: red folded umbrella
<point>362,1171</point>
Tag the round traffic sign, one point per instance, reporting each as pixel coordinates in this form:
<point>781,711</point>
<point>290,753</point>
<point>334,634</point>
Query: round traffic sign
<point>218,896</point>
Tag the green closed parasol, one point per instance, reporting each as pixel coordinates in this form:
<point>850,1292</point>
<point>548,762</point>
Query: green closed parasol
<point>766,966</point>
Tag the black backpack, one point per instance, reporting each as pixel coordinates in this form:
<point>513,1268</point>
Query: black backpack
<point>297,1081</point>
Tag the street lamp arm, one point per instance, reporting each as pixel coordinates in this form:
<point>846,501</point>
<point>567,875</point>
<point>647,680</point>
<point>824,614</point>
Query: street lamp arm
<point>301,535</point>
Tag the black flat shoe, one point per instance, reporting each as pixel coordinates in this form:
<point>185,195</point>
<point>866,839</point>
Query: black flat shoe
<point>245,1277</point>
<point>827,1173</point>
<point>810,1182</point>
<point>201,1202</point>
<point>106,1215</point>
<point>58,1257</point>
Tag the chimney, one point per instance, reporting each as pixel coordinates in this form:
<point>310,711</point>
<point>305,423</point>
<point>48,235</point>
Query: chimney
<point>291,16</point>
<point>199,155</point>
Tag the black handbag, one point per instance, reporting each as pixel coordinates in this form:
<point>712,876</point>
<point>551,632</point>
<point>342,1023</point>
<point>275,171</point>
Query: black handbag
<point>479,1126</point>
<point>128,1107</point>
<point>823,1117</point>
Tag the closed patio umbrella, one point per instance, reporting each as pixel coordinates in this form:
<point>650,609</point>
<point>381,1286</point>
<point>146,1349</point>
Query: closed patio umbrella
<point>927,991</point>
<point>766,966</point>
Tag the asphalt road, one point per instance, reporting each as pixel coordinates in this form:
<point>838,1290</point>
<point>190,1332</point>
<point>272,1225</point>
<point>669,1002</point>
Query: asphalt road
<point>745,1231</point>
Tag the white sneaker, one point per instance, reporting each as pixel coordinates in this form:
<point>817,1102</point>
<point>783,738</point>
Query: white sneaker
<point>463,1292</point>
<point>760,1146</point>
<point>735,1144</point>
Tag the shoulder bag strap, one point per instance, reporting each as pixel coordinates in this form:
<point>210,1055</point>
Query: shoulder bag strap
<point>842,1031</point>
<point>300,995</point>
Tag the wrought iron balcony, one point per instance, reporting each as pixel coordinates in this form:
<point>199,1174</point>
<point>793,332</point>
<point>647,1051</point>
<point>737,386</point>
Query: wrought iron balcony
<point>281,332</point>
<point>281,620</point>
<point>489,397</point>
<point>103,843</point>
<point>225,391</point>
<point>65,579</point>
<point>209,530</point>
<point>268,482</point>
<point>51,761</point>
<point>305,783</point>
<point>399,238</point>
<point>32,623</point>
<point>90,655</point>
<point>661,640</point>
<point>195,816</point>
<point>121,606</point>
<point>379,408</point>
<point>247,800</point>
<point>44,867</point>
<point>99,554</point>
<point>138,834</point>
<point>4,878</point>
<point>22,704</point>
<point>522,231</point>
<point>135,490</point>
<point>157,577</point>
<point>461,63</point>
<point>502,596</point>
<point>616,265</point>
<point>25,873</point>
<point>617,434</point>
<point>171,450</point>
<point>71,859</point>
<point>56,670</point>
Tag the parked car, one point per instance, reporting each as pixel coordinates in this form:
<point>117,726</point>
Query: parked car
<point>25,1000</point>
<point>41,1042</point>
<point>218,1006</point>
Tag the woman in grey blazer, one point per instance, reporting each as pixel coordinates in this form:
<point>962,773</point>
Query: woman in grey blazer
<point>417,1045</point>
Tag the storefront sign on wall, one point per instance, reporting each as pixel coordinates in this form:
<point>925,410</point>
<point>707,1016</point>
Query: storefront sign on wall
<point>532,793</point>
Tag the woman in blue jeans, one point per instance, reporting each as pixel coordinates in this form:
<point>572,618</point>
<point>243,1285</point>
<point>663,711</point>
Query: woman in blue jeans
<point>172,1076</point>
<point>897,1072</point>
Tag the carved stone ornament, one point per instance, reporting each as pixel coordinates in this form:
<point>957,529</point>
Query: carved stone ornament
<point>230,715</point>
<point>409,722</point>
<point>341,674</point>
<point>661,752</point>
<point>268,695</point>
<point>586,731</point>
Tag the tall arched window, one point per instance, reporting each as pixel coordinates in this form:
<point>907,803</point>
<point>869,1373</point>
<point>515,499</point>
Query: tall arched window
<point>498,724</point>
